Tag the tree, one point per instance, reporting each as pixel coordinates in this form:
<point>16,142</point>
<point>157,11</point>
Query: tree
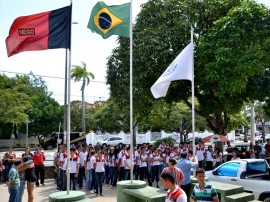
<point>13,102</point>
<point>80,73</point>
<point>26,98</point>
<point>230,57</point>
<point>261,117</point>
<point>75,116</point>
<point>110,118</point>
<point>13,105</point>
<point>231,53</point>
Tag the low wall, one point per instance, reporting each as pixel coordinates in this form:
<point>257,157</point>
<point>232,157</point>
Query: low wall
<point>5,143</point>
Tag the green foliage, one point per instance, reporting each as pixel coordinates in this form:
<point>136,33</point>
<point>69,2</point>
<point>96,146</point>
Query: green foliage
<point>110,118</point>
<point>80,73</point>
<point>231,57</point>
<point>5,130</point>
<point>25,98</point>
<point>45,116</point>
<point>170,117</point>
<point>76,116</point>
<point>14,101</point>
<point>167,139</point>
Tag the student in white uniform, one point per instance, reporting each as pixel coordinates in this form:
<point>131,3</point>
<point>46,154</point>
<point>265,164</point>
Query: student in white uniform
<point>62,167</point>
<point>127,161</point>
<point>99,166</point>
<point>93,172</point>
<point>155,161</point>
<point>88,166</point>
<point>82,155</point>
<point>74,168</point>
<point>143,166</point>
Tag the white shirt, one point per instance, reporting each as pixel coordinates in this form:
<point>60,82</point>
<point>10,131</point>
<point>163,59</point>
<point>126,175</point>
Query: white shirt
<point>92,161</point>
<point>172,154</point>
<point>181,198</point>
<point>82,156</point>
<point>209,156</point>
<point>64,160</point>
<point>127,160</point>
<point>184,150</point>
<point>111,161</point>
<point>195,161</point>
<point>137,154</point>
<point>74,161</point>
<point>120,156</point>
<point>167,157</point>
<point>143,157</point>
<point>156,158</point>
<point>219,157</point>
<point>199,153</point>
<point>100,165</point>
<point>88,163</point>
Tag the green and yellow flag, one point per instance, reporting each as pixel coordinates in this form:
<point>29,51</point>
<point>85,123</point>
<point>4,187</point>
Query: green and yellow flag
<point>110,20</point>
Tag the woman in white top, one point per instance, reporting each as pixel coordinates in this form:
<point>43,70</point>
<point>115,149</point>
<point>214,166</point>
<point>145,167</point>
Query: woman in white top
<point>143,166</point>
<point>93,172</point>
<point>111,166</point>
<point>235,156</point>
<point>190,158</point>
<point>99,166</point>
<point>115,167</point>
<point>88,166</point>
<point>127,161</point>
<point>155,160</point>
<point>209,158</point>
<point>218,157</point>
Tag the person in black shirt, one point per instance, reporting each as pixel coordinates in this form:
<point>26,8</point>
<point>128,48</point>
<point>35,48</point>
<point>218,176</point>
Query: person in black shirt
<point>30,176</point>
<point>257,150</point>
<point>229,151</point>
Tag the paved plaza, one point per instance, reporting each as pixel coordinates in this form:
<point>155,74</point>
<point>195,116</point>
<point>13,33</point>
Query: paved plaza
<point>42,193</point>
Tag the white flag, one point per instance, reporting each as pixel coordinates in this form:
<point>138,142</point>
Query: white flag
<point>180,69</point>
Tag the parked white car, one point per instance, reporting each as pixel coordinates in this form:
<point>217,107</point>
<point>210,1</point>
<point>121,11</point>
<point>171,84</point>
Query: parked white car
<point>252,174</point>
<point>258,138</point>
<point>113,141</point>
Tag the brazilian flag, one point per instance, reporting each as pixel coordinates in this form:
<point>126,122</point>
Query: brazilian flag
<point>110,20</point>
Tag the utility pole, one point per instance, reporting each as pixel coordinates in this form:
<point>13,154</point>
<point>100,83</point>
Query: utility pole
<point>245,128</point>
<point>252,120</point>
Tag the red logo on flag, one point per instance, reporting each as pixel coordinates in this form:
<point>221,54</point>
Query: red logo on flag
<point>26,31</point>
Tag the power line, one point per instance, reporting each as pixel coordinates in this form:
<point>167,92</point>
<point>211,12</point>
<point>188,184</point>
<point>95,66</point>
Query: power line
<point>80,96</point>
<point>51,77</point>
<point>55,77</point>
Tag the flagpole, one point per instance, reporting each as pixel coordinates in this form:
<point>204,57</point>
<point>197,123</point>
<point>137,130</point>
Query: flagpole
<point>193,104</point>
<point>68,110</point>
<point>59,130</point>
<point>65,98</point>
<point>131,93</point>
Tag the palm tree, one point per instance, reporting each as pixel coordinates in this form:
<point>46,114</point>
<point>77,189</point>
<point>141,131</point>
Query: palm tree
<point>79,73</point>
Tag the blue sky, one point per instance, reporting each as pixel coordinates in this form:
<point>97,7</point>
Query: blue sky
<point>86,46</point>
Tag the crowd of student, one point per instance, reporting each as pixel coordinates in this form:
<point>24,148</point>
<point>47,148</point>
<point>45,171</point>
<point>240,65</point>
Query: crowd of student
<point>97,165</point>
<point>93,166</point>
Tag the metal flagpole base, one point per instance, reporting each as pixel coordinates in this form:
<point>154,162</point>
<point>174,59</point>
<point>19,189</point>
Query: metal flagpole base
<point>72,196</point>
